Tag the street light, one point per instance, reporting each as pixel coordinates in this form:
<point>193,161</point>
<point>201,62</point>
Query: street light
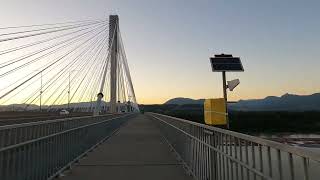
<point>40,97</point>
<point>41,92</point>
<point>69,89</point>
<point>223,63</point>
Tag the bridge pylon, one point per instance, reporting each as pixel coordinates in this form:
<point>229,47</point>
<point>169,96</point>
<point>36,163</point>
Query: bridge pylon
<point>113,45</point>
<point>113,55</point>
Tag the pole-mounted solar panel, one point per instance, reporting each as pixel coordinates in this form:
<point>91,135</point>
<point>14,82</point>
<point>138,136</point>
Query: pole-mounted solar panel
<point>225,62</point>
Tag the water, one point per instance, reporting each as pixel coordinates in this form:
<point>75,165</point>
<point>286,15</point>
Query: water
<point>288,135</point>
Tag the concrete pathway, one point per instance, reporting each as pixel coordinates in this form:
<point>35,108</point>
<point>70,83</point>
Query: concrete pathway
<point>136,152</point>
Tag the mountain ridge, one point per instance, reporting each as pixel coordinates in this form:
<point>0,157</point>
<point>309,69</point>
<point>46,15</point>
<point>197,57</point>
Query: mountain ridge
<point>182,100</point>
<point>286,102</point>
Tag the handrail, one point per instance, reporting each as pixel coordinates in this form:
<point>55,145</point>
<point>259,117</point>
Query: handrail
<point>209,152</point>
<point>58,133</point>
<point>18,133</point>
<point>49,154</point>
<point>284,147</point>
<point>216,149</point>
<point>48,121</point>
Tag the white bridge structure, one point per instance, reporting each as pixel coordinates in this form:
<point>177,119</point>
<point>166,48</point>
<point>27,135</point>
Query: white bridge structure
<point>78,66</point>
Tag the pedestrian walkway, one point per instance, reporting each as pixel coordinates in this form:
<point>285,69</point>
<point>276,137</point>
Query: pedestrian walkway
<point>136,152</point>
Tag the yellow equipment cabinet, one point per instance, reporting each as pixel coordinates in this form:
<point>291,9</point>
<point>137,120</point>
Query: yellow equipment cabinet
<point>215,111</point>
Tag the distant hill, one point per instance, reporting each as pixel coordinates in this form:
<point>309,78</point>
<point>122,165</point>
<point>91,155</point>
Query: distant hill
<point>287,102</point>
<point>181,101</point>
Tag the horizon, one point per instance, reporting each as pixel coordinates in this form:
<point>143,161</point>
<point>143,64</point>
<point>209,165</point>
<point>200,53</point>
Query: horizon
<point>168,45</point>
<point>171,99</point>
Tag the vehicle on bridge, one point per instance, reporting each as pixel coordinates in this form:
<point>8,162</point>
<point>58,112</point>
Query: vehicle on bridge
<point>64,112</point>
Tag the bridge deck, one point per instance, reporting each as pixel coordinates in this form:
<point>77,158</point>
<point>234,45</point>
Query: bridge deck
<point>137,151</point>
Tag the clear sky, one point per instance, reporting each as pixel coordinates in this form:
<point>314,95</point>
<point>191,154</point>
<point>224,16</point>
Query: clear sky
<point>169,42</point>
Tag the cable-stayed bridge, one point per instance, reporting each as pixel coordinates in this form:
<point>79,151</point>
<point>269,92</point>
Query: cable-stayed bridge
<point>63,65</point>
<point>80,67</point>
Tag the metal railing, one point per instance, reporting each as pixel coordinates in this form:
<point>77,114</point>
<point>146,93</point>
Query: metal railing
<point>42,150</point>
<point>211,153</point>
<point>17,133</point>
<point>19,120</point>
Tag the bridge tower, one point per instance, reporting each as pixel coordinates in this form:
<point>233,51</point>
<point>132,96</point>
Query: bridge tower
<point>120,80</point>
<point>113,50</point>
<point>113,45</point>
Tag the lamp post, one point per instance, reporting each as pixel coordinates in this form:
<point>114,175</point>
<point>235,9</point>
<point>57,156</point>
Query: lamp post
<point>41,91</point>
<point>40,96</point>
<point>69,88</point>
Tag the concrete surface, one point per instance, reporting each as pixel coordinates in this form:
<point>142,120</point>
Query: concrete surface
<point>136,152</point>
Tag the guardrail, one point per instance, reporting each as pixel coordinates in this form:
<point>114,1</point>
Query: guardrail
<point>42,150</point>
<point>17,133</point>
<point>211,153</point>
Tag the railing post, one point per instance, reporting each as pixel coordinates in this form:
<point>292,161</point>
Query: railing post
<point>214,156</point>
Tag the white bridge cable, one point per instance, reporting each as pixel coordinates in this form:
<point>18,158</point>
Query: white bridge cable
<point>97,80</point>
<point>29,74</point>
<point>92,83</point>
<point>121,85</point>
<point>124,77</point>
<point>108,59</point>
<point>127,68</point>
<point>56,76</point>
<point>60,98</point>
<point>42,33</point>
<point>50,24</point>
<point>49,28</point>
<point>34,93</point>
<point>64,71</point>
<point>81,47</point>
<point>119,82</point>
<point>79,70</point>
<point>29,78</point>
<point>59,74</point>
<point>126,88</point>
<point>57,60</point>
<point>68,41</point>
<point>95,59</point>
<point>6,51</point>
<point>62,94</point>
<point>95,74</point>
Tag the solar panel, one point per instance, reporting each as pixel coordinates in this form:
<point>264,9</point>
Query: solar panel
<point>223,63</point>
<point>223,55</point>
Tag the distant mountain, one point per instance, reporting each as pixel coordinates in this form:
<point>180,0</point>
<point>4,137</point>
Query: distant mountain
<point>287,102</point>
<point>181,101</point>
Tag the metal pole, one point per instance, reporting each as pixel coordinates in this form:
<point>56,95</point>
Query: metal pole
<point>41,91</point>
<point>69,92</point>
<point>69,88</point>
<point>225,95</point>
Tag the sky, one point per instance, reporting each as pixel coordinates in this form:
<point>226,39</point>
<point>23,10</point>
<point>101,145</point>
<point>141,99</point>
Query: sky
<point>168,42</point>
